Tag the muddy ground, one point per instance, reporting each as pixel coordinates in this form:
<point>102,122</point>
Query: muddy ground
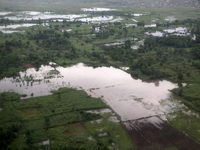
<point>154,134</point>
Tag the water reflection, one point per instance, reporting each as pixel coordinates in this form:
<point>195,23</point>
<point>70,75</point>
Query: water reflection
<point>95,9</point>
<point>15,26</point>
<point>170,18</point>
<point>33,15</point>
<point>130,98</point>
<point>179,31</point>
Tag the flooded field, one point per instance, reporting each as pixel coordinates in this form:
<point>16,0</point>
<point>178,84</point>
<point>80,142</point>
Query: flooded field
<point>15,26</point>
<point>170,18</point>
<point>157,34</point>
<point>4,13</point>
<point>114,44</point>
<point>100,19</point>
<point>179,31</point>
<point>150,26</point>
<point>95,9</point>
<point>33,15</point>
<point>129,98</point>
<point>145,109</point>
<point>12,28</point>
<point>154,134</point>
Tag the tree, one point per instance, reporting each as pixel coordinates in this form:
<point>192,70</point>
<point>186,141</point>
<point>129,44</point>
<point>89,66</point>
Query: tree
<point>128,44</point>
<point>180,76</point>
<point>47,123</point>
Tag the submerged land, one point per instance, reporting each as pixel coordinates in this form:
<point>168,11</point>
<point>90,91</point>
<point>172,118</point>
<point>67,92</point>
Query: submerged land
<point>155,43</point>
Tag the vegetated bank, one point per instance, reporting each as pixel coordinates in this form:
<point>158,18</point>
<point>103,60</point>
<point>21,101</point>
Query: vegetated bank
<point>171,57</point>
<point>176,58</point>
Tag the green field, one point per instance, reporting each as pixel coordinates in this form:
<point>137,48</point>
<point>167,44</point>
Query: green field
<point>175,58</point>
<point>186,120</point>
<point>60,5</point>
<point>59,121</point>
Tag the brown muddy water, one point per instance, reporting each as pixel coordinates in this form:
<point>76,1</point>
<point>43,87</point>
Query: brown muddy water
<point>154,134</point>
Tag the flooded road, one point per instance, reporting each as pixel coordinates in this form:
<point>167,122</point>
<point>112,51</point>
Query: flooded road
<point>129,98</point>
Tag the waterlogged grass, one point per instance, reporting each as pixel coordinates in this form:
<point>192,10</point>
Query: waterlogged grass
<point>109,132</point>
<point>61,117</point>
<point>87,45</point>
<point>58,121</point>
<point>187,122</point>
<point>161,13</point>
<point>190,95</point>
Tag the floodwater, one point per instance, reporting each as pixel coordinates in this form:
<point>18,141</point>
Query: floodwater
<point>157,34</point>
<point>129,98</point>
<point>135,47</point>
<point>170,19</point>
<point>15,26</point>
<point>179,31</point>
<point>182,30</point>
<point>11,31</point>
<point>131,25</point>
<point>100,19</point>
<point>150,26</point>
<point>115,44</point>
<point>8,29</point>
<point>68,30</point>
<point>95,9</point>
<point>118,19</point>
<point>137,44</point>
<point>97,19</point>
<point>138,15</point>
<point>5,13</point>
<point>134,20</point>
<point>33,15</point>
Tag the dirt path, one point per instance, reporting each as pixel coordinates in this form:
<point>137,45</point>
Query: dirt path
<point>153,134</point>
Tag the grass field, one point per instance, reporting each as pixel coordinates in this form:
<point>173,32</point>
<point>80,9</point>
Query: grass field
<point>186,120</point>
<point>59,121</point>
<point>60,6</point>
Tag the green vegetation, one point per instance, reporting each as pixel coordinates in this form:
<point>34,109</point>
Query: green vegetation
<point>171,148</point>
<point>109,132</point>
<point>191,95</point>
<point>62,5</point>
<point>173,58</point>
<point>59,121</point>
<point>48,5</point>
<point>186,121</point>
